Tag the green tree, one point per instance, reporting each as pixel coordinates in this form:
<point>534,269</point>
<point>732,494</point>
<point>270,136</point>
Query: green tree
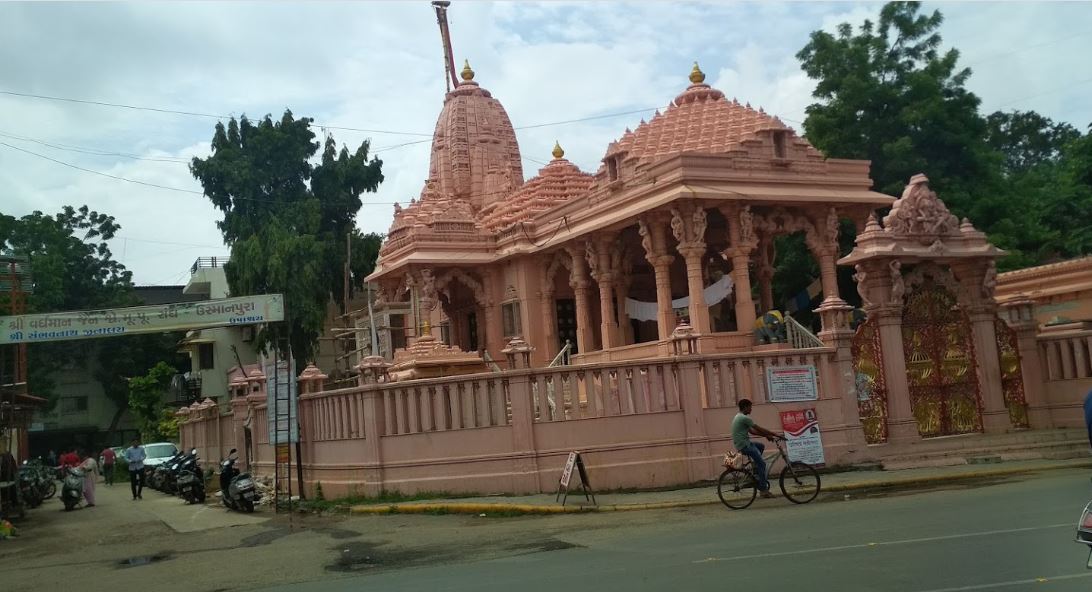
<point>287,220</point>
<point>887,93</point>
<point>146,399</point>
<point>1027,140</point>
<point>73,269</point>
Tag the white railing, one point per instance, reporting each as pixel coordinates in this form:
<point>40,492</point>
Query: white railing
<point>799,336</point>
<point>563,357</point>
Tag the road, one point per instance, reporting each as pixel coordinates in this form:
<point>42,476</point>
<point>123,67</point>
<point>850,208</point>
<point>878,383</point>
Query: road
<point>1015,536</point>
<point>1006,536</point>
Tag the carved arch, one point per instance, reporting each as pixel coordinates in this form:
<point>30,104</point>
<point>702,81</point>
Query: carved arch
<point>560,259</point>
<point>939,274</point>
<point>465,279</point>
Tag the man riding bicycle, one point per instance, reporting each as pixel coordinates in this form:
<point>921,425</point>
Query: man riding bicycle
<point>742,427</point>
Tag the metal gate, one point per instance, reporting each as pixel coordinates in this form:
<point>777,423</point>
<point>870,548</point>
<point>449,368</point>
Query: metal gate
<point>870,385</point>
<point>940,363</point>
<point>1012,378</point>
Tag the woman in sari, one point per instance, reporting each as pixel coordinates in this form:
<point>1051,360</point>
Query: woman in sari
<point>90,469</point>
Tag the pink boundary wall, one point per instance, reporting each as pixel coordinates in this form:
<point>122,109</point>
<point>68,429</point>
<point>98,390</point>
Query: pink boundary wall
<point>648,423</point>
<point>642,424</point>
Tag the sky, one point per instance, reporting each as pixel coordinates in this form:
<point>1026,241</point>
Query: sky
<point>378,66</point>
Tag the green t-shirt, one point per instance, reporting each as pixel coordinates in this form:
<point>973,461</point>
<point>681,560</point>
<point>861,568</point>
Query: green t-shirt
<point>741,426</point>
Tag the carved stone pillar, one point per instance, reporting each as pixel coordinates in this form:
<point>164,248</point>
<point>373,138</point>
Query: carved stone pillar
<point>688,226</point>
<point>885,286</point>
<point>977,282</point>
<point>765,272</point>
<point>742,240</point>
<point>547,306</point>
<point>578,279</point>
<point>599,261</point>
<point>654,240</point>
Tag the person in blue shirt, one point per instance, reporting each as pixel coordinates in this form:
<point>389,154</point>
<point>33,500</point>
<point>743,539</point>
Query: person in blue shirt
<point>1088,415</point>
<point>135,455</point>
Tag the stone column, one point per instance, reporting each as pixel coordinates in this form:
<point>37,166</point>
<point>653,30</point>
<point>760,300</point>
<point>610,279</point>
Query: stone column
<point>977,280</point>
<point>689,226</point>
<point>621,292</point>
<point>765,272</point>
<point>654,240</point>
<point>887,301</point>
<point>549,321</point>
<point>578,279</point>
<point>837,334</point>
<point>743,240</point>
<point>598,255</point>
<point>1021,318</point>
<point>822,239</point>
<point>699,459</point>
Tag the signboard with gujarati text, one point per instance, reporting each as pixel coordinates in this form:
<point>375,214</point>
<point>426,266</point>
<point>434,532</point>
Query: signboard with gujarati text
<point>787,384</point>
<point>89,324</point>
<point>803,442</point>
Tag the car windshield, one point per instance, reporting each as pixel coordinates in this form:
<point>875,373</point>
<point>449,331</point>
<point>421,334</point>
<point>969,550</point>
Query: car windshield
<point>160,450</point>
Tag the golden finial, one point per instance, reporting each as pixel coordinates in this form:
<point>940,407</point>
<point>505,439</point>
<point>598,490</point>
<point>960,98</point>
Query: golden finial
<point>696,75</point>
<point>558,152</point>
<point>426,329</point>
<point>467,73</point>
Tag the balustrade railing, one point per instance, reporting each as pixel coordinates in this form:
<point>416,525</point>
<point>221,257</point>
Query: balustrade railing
<point>1067,356</point>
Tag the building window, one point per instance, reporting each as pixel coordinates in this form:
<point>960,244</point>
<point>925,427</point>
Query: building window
<point>205,359</point>
<point>779,144</point>
<point>73,404</point>
<point>398,331</point>
<point>510,314</point>
<point>612,168</point>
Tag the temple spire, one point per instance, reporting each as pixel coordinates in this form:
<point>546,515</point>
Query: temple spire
<point>696,75</point>
<point>557,152</point>
<point>445,36</point>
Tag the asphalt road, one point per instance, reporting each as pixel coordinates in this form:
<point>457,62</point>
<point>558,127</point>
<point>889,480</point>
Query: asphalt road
<point>1011,536</point>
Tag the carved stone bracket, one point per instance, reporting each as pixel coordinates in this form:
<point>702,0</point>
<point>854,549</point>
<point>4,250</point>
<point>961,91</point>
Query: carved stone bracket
<point>688,225</point>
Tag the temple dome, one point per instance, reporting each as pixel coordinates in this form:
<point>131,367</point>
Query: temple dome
<point>700,119</point>
<point>556,183</point>
<point>475,155</point>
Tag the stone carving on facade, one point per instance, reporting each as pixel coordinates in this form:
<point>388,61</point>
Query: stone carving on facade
<point>832,226</point>
<point>689,227</point>
<point>747,227</point>
<point>784,221</point>
<point>898,286</point>
<point>989,281</point>
<point>861,277</point>
<point>646,239</point>
<point>465,279</point>
<point>427,289</point>
<point>920,213</point>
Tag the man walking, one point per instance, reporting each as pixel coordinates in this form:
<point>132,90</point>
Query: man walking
<point>135,455</point>
<point>108,458</point>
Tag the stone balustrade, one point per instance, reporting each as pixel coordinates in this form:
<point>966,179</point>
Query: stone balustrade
<point>641,423</point>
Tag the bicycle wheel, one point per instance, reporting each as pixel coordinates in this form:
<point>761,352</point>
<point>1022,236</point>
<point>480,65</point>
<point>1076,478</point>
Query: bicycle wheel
<point>799,482</point>
<point>736,488</point>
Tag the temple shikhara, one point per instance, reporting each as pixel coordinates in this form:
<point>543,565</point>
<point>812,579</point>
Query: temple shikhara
<point>624,311</point>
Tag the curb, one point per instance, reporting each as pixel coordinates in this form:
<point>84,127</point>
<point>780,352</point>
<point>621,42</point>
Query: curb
<point>533,509</point>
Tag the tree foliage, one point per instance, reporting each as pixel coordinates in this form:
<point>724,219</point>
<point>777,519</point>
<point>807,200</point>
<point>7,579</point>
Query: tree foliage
<point>287,220</point>
<point>146,399</point>
<point>888,94</point>
<point>73,269</point>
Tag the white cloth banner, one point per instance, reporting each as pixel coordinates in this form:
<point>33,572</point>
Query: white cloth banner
<point>647,311</point>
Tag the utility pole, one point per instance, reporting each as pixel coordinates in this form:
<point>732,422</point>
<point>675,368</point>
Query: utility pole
<point>445,34</point>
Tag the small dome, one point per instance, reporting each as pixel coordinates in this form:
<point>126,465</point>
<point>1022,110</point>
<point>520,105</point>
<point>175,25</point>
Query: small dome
<point>555,184</point>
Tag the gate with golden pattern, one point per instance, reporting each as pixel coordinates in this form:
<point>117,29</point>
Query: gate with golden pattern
<point>870,385</point>
<point>941,368</point>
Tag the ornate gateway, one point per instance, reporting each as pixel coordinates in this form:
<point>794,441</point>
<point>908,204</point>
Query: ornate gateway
<point>940,363</point>
<point>1012,379</point>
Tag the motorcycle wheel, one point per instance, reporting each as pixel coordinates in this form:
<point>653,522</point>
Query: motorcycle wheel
<point>50,491</point>
<point>200,495</point>
<point>68,505</point>
<point>248,506</point>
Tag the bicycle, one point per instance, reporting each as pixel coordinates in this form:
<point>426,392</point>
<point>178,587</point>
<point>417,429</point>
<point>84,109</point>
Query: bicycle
<point>738,487</point>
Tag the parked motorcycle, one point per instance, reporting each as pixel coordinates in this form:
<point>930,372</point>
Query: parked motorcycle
<point>237,489</point>
<point>31,490</point>
<point>159,477</point>
<point>72,489</point>
<point>191,480</point>
<point>11,499</point>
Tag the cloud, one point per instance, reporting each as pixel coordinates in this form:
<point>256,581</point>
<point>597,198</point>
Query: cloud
<point>378,66</point>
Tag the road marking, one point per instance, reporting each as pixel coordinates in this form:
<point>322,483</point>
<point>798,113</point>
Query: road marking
<point>885,543</point>
<point>1011,583</point>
